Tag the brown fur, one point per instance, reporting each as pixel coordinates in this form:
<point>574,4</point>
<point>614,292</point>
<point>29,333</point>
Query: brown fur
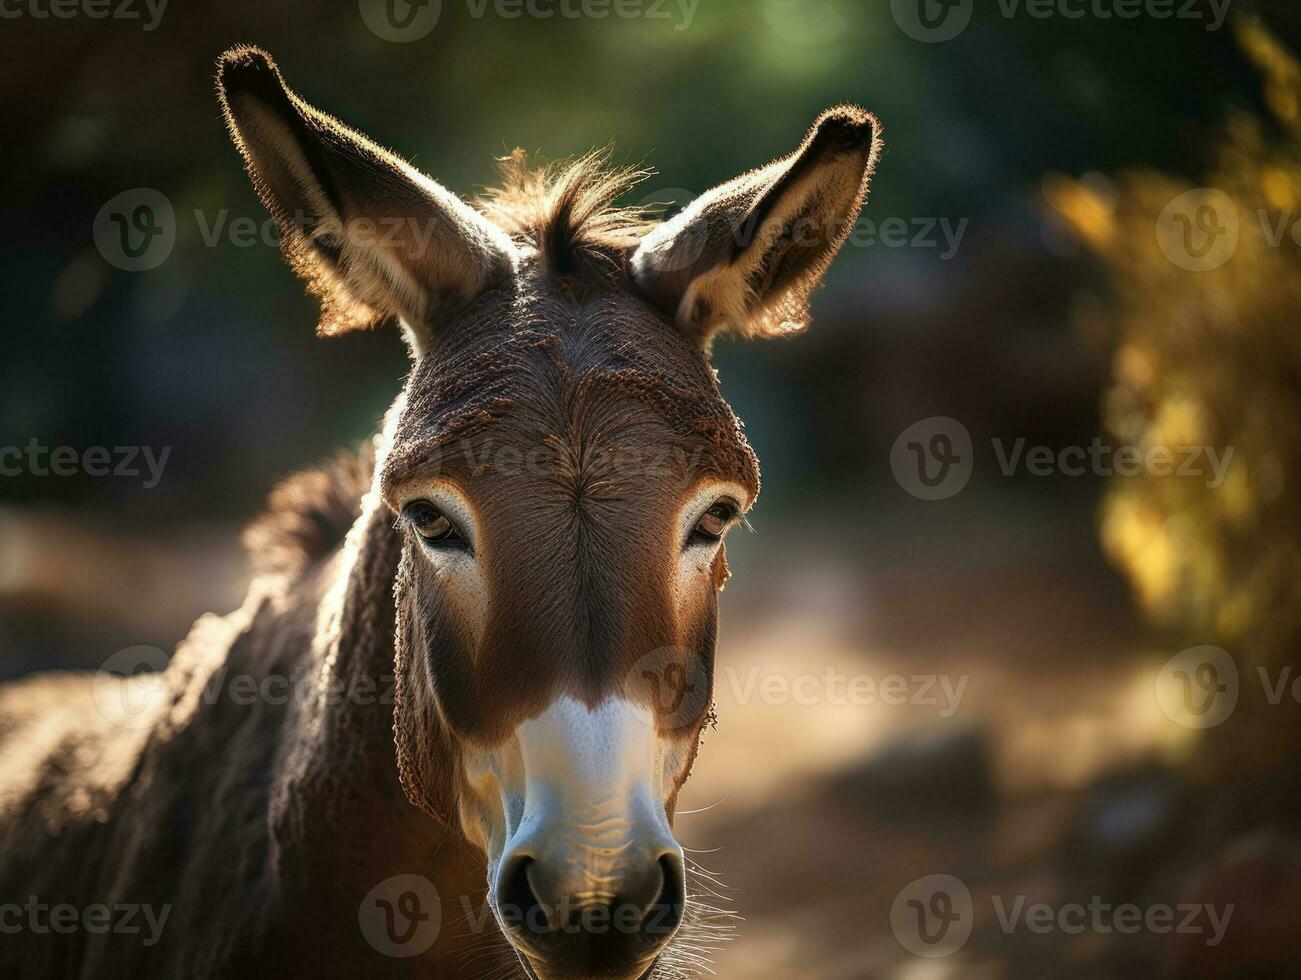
<point>567,399</point>
<point>594,392</point>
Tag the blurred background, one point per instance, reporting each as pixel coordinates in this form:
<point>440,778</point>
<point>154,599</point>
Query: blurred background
<point>1082,229</point>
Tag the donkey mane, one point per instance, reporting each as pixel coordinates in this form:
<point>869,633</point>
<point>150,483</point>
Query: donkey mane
<point>308,515</point>
<point>566,211</point>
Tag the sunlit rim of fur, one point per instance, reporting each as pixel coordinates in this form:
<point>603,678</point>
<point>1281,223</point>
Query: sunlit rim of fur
<point>567,210</point>
<point>309,515</point>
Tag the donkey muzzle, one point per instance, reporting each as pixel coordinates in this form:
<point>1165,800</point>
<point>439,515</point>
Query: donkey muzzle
<point>591,882</point>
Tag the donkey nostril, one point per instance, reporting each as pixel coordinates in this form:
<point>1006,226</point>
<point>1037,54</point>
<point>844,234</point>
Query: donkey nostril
<point>549,915</point>
<point>641,892</point>
<point>654,902</point>
<point>518,903</point>
<point>664,913</point>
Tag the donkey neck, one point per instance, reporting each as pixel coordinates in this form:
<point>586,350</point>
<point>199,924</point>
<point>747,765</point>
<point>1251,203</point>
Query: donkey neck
<point>342,777</point>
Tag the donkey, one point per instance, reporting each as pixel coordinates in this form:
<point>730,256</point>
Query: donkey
<point>480,652</point>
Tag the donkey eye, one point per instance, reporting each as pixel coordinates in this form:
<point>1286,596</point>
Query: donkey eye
<point>430,523</point>
<point>714,522</point>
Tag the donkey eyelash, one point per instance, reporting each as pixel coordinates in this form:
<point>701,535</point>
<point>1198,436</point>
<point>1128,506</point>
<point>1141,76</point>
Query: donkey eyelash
<point>709,535</point>
<point>452,538</point>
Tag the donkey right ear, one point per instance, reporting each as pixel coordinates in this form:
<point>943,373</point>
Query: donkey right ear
<point>746,255</point>
<point>373,237</point>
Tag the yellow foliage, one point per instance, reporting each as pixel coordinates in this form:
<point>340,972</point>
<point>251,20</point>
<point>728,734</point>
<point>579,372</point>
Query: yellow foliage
<point>1204,312</point>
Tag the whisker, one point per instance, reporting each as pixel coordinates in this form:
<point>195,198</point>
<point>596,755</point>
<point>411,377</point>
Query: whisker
<point>703,809</point>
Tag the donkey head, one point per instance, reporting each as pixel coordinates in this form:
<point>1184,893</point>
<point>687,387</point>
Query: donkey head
<point>563,471</point>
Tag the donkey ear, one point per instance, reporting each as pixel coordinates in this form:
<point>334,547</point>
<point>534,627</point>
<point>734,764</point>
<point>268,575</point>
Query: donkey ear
<point>373,237</point>
<point>746,255</point>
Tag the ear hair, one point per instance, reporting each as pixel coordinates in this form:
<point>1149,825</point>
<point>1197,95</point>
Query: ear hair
<point>746,255</point>
<point>373,237</point>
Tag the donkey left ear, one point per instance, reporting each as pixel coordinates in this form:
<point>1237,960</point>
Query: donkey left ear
<point>374,237</point>
<point>746,255</point>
